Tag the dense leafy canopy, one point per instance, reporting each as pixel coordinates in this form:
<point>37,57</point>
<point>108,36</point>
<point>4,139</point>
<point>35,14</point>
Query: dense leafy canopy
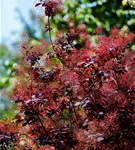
<point>74,93</point>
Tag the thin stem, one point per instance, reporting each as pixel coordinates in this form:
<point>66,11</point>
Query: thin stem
<point>31,82</point>
<point>119,86</point>
<point>49,25</point>
<point>39,119</point>
<point>72,104</point>
<point>31,100</point>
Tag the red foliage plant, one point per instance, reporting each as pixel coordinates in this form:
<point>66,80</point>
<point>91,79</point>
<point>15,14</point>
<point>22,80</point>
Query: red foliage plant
<point>77,96</point>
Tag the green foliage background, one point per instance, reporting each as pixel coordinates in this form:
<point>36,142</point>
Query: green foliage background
<point>94,13</point>
<point>7,62</point>
<point>103,13</point>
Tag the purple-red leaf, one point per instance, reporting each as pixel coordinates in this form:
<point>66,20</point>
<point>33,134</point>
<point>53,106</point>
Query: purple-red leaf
<point>24,47</point>
<point>30,47</point>
<point>37,4</point>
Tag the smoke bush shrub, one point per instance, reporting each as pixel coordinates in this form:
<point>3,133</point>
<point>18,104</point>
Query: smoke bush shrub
<point>74,95</point>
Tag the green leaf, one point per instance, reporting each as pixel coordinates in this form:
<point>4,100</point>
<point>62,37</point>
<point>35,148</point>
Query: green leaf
<point>131,3</point>
<point>65,115</point>
<point>124,2</point>
<point>55,60</point>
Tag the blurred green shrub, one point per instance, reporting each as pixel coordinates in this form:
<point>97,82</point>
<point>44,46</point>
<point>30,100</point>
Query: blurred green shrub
<point>96,13</point>
<point>7,62</point>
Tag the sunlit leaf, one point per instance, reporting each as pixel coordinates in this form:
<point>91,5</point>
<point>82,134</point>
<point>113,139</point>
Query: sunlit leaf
<point>124,2</point>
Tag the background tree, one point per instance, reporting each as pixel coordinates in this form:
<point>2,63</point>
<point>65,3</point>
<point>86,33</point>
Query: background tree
<point>8,61</point>
<point>99,13</point>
